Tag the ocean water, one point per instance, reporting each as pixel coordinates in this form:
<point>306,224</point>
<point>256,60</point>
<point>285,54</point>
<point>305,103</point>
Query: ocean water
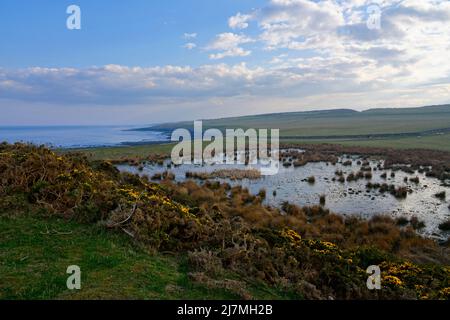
<point>78,136</point>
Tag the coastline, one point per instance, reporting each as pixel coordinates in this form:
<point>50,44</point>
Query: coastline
<point>81,137</point>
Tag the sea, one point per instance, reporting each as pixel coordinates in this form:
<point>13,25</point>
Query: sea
<point>80,136</point>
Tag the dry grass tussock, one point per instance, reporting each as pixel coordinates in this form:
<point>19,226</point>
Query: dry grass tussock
<point>232,174</point>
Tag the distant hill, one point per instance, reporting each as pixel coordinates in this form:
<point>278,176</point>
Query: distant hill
<point>331,123</point>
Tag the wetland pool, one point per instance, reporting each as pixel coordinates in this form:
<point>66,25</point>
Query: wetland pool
<point>346,198</point>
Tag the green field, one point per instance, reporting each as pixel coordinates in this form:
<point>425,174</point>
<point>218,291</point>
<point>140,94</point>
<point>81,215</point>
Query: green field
<point>337,122</point>
<point>435,142</point>
<point>35,253</point>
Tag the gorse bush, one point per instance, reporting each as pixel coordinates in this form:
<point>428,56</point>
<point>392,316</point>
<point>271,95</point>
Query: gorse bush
<point>306,252</point>
<point>71,187</point>
<point>65,187</point>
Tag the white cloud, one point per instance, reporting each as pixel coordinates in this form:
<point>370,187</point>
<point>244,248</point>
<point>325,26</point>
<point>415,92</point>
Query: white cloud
<point>190,46</point>
<point>411,46</point>
<point>239,21</point>
<point>189,36</point>
<point>228,45</point>
<point>172,93</point>
<point>298,23</point>
<point>232,52</point>
<point>115,84</point>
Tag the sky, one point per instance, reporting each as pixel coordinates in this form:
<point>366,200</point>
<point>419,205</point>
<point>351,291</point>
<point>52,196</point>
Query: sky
<point>143,62</point>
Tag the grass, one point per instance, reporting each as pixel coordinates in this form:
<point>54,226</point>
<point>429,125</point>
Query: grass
<point>35,253</point>
<point>436,142</point>
<point>117,153</point>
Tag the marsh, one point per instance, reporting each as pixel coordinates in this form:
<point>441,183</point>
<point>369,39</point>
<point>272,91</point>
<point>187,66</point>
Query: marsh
<point>343,196</point>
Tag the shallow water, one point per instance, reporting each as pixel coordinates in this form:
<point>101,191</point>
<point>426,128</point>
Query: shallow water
<point>349,198</point>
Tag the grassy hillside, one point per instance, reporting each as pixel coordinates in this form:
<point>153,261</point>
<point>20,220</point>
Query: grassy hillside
<point>337,122</point>
<point>405,128</point>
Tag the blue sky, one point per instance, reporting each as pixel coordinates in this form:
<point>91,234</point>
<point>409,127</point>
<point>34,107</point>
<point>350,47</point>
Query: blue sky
<point>142,61</point>
<point>136,33</point>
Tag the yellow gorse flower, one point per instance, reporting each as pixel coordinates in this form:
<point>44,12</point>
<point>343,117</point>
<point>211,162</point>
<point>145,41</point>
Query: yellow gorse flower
<point>292,236</point>
<point>329,245</point>
<point>130,193</point>
<point>445,293</point>
<point>392,280</point>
